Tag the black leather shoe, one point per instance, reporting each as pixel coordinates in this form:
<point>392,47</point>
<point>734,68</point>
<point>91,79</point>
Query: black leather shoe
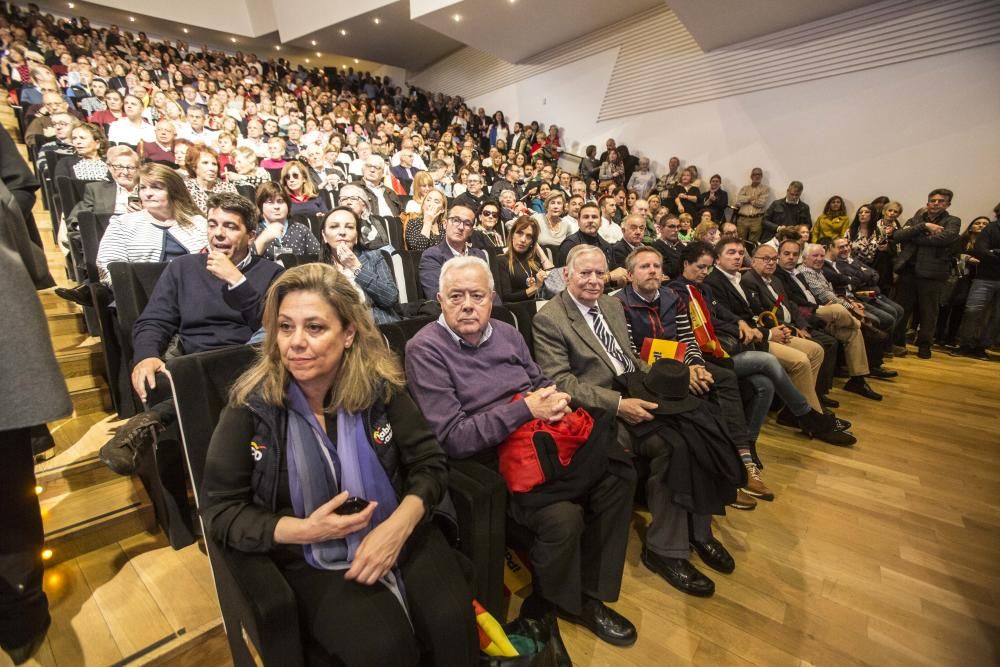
<point>786,418</point>
<point>606,623</point>
<point>924,351</point>
<point>679,573</point>
<point>882,373</point>
<point>828,402</point>
<point>841,424</point>
<point>824,427</point>
<point>79,295</point>
<point>714,555</point>
<point>857,385</point>
<point>21,654</point>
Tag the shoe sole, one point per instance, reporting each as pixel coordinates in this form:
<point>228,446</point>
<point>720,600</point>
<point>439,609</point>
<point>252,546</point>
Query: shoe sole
<point>760,496</point>
<point>697,594</point>
<point>743,508</point>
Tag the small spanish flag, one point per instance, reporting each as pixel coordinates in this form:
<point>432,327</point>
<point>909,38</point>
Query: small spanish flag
<point>492,639</point>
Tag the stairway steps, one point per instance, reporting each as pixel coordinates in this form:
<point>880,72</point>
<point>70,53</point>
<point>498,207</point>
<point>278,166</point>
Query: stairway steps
<point>89,394</point>
<point>61,324</point>
<point>86,510</point>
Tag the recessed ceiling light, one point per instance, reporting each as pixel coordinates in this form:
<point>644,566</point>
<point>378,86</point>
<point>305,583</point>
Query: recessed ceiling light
<point>456,18</point>
<point>232,39</point>
<point>343,32</point>
<point>277,48</point>
<point>70,5</point>
<point>356,61</point>
<point>313,42</point>
<point>377,20</point>
<point>343,67</point>
<point>307,60</point>
<point>132,19</point>
<point>185,30</point>
<point>318,54</point>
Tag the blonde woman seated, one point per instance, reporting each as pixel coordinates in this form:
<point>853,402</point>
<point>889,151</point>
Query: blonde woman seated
<point>554,226</point>
<point>426,229</point>
<point>423,183</point>
<point>169,226</point>
<point>708,232</point>
<point>328,402</point>
<point>247,171</point>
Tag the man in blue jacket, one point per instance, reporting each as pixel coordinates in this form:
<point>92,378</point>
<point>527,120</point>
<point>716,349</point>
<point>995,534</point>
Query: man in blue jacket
<point>207,301</point>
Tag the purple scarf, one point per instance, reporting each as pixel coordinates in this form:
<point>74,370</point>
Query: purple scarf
<point>318,470</point>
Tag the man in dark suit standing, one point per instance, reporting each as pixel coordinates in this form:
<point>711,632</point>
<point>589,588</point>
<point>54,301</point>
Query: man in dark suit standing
<point>923,263</point>
<point>582,343</point>
<point>458,230</point>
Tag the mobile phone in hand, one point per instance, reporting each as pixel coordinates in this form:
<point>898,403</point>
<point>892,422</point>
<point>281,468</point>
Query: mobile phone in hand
<point>352,505</point>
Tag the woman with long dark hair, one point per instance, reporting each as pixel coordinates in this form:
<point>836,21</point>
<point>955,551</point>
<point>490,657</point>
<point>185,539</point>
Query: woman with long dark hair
<point>520,272</point>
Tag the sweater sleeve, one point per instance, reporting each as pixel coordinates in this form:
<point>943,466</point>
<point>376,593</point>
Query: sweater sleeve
<point>230,513</point>
<point>161,318</point>
<point>460,433</point>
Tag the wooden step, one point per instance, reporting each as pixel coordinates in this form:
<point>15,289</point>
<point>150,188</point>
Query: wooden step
<point>55,304</point>
<point>85,518</point>
<point>61,324</point>
<point>87,361</point>
<point>89,393</point>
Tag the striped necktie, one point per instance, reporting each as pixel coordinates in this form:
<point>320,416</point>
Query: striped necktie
<point>609,342</point>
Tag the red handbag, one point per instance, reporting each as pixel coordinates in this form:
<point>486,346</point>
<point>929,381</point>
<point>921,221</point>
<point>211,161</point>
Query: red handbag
<point>521,457</point>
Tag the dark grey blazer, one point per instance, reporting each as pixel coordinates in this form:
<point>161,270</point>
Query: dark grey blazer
<point>98,198</point>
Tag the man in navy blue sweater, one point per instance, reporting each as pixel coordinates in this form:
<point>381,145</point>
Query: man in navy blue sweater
<point>207,301</point>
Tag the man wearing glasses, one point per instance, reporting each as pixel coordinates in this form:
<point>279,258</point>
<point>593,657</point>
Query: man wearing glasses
<point>458,230</point>
<point>103,197</point>
<point>923,263</point>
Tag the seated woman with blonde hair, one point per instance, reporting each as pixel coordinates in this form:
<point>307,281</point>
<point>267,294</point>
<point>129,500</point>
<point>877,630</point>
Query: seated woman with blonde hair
<point>247,171</point>
<point>346,494</point>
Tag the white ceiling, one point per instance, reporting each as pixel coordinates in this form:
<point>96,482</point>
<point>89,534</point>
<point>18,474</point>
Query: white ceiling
<point>515,30</point>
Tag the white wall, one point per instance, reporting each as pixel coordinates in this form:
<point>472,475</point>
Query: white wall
<point>899,130</point>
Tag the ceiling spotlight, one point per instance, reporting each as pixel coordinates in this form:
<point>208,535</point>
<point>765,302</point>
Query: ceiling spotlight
<point>456,18</point>
<point>313,42</point>
<point>185,30</point>
<point>132,19</point>
<point>307,60</point>
<point>343,67</point>
<point>70,5</point>
<point>343,32</point>
<point>356,61</point>
<point>277,48</point>
<point>377,20</point>
<point>318,54</point>
<point>232,39</point>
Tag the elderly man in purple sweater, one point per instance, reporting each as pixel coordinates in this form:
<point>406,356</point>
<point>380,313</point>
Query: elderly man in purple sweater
<point>464,370</point>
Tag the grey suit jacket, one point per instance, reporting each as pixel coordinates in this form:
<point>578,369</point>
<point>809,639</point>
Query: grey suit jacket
<point>98,198</point>
<point>568,351</point>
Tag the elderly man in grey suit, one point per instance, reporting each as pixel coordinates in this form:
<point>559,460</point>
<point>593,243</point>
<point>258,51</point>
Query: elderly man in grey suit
<point>582,343</point>
<point>104,197</point>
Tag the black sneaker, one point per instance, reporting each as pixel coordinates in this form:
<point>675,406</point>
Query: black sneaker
<point>121,451</point>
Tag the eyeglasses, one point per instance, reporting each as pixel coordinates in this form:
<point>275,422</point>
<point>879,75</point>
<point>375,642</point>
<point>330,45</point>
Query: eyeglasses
<point>488,214</point>
<point>348,198</point>
<point>459,222</point>
<point>767,260</point>
<point>123,167</point>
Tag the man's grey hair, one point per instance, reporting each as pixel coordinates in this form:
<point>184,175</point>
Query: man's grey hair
<point>812,247</point>
<point>375,161</point>
<point>464,262</point>
<point>580,250</point>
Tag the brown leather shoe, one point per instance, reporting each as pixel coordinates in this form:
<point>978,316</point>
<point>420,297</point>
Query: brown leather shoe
<point>755,485</point>
<point>744,501</point>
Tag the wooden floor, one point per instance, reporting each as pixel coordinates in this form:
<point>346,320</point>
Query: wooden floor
<point>883,554</point>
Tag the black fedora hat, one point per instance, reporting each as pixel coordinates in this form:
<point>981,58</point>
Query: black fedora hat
<point>666,384</point>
